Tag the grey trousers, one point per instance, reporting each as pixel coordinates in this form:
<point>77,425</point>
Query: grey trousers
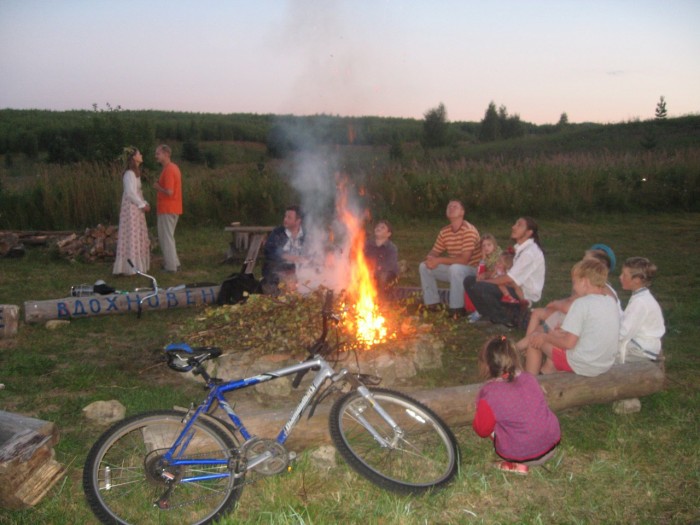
<point>453,274</point>
<point>166,238</point>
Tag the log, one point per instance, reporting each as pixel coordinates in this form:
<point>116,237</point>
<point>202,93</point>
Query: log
<point>94,305</point>
<point>456,405</point>
<point>9,315</point>
<point>28,469</point>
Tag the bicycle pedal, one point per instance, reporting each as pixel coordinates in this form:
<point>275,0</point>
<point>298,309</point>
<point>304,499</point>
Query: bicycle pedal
<point>291,455</point>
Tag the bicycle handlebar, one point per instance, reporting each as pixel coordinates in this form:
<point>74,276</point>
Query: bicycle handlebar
<point>320,346</point>
<point>154,285</point>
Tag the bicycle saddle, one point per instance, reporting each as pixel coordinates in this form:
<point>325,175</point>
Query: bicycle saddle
<point>183,358</point>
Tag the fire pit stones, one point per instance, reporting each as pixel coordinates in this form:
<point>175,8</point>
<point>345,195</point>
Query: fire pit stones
<point>395,362</point>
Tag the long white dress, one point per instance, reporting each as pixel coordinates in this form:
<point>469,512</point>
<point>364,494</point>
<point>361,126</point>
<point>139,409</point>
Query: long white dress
<point>133,242</point>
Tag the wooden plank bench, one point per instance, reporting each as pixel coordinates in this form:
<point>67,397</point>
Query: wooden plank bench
<point>246,240</point>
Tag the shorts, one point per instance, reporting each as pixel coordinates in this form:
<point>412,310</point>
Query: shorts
<point>559,360</point>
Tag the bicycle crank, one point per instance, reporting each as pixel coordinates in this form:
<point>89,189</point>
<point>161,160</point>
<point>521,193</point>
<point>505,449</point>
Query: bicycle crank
<point>266,456</point>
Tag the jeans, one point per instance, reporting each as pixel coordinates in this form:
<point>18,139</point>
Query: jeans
<point>487,300</point>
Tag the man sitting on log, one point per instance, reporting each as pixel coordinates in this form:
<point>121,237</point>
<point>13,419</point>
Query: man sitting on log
<point>587,341</point>
<point>283,251</point>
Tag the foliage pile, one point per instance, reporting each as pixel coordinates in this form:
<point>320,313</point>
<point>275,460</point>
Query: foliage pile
<point>289,324</point>
<point>285,324</point>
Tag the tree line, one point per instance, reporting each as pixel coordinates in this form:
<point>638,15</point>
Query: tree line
<point>100,134</point>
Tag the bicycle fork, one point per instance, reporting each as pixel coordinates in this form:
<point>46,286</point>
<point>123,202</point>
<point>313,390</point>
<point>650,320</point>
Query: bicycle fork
<point>357,413</point>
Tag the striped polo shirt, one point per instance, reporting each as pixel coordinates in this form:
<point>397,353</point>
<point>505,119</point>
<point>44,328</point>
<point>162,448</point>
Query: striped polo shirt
<point>456,243</point>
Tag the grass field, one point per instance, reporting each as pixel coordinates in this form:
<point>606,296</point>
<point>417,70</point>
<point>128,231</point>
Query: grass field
<point>636,468</point>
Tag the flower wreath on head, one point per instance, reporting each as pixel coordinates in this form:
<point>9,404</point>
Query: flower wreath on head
<point>127,152</point>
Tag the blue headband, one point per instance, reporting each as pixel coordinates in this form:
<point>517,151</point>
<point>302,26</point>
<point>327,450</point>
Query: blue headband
<point>608,251</point>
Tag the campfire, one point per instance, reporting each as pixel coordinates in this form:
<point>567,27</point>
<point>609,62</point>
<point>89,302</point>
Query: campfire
<point>362,315</point>
<point>363,320</point>
<point>376,337</point>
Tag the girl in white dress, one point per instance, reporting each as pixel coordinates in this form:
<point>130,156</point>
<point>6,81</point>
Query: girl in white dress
<point>133,242</point>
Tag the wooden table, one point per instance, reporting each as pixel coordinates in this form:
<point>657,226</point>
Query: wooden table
<point>248,240</point>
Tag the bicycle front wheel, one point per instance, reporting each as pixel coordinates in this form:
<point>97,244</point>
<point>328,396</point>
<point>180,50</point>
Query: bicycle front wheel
<point>127,481</point>
<point>420,454</point>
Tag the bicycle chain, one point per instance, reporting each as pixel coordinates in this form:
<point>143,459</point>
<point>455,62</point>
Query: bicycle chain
<point>245,482</point>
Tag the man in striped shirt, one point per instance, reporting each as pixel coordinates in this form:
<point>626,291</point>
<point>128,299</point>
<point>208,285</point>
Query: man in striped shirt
<point>454,256</point>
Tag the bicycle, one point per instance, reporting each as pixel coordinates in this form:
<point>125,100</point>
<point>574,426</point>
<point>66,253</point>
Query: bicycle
<point>177,466</point>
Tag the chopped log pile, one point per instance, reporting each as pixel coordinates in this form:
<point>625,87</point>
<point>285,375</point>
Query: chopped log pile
<point>95,244</point>
<point>28,469</point>
<point>13,242</point>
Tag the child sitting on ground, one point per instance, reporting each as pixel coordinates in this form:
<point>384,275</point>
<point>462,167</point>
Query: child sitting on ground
<point>587,341</point>
<point>490,252</point>
<point>642,321</point>
<point>512,409</point>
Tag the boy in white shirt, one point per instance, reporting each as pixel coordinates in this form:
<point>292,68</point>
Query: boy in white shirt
<point>642,321</point>
<point>587,342</point>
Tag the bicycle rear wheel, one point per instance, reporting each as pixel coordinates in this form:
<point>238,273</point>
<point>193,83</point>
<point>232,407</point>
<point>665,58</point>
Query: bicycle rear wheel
<point>123,475</point>
<point>420,456</point>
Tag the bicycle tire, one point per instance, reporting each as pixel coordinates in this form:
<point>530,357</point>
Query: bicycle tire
<point>424,458</point>
<point>129,493</point>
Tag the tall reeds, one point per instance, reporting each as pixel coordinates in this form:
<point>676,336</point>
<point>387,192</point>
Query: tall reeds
<point>557,186</point>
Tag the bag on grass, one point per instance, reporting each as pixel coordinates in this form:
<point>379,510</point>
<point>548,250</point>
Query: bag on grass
<point>237,287</point>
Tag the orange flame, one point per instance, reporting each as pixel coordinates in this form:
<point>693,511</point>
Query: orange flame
<point>369,325</point>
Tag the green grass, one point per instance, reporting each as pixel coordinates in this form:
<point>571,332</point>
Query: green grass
<point>636,468</point>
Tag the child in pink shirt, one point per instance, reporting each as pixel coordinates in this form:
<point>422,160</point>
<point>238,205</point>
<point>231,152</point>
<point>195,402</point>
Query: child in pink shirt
<point>512,410</point>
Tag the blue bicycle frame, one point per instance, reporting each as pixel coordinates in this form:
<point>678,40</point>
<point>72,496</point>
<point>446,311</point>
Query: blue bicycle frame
<point>325,371</point>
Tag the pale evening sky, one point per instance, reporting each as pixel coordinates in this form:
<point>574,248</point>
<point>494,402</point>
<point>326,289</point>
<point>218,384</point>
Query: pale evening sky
<point>600,61</point>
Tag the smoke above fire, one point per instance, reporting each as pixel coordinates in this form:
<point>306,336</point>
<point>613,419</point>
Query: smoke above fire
<point>326,198</point>
<point>315,172</point>
<point>334,237</point>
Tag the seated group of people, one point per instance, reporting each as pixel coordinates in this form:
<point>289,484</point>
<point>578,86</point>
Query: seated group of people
<point>583,333</point>
<point>494,280</point>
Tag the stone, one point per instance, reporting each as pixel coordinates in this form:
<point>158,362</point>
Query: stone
<point>55,324</point>
<point>323,457</point>
<point>627,406</point>
<point>428,353</point>
<point>105,412</point>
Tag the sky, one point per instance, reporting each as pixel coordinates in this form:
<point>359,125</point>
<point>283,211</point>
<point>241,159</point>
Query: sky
<point>597,61</point>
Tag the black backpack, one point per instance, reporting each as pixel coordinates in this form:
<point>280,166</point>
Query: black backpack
<point>237,287</point>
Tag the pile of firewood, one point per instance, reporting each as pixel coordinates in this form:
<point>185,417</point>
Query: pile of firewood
<point>95,244</point>
<point>10,245</point>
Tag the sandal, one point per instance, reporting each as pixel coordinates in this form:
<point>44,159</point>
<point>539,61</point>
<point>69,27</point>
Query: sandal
<point>509,466</point>
<point>509,299</point>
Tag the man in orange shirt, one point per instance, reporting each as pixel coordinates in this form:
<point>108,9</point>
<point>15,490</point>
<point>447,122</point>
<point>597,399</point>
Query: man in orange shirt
<point>169,207</point>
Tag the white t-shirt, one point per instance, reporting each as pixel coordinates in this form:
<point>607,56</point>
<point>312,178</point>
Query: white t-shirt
<point>528,270</point>
<point>595,319</point>
<point>643,322</point>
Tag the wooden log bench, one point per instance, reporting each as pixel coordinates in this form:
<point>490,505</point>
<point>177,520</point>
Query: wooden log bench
<point>93,305</point>
<point>456,405</point>
<point>27,466</point>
